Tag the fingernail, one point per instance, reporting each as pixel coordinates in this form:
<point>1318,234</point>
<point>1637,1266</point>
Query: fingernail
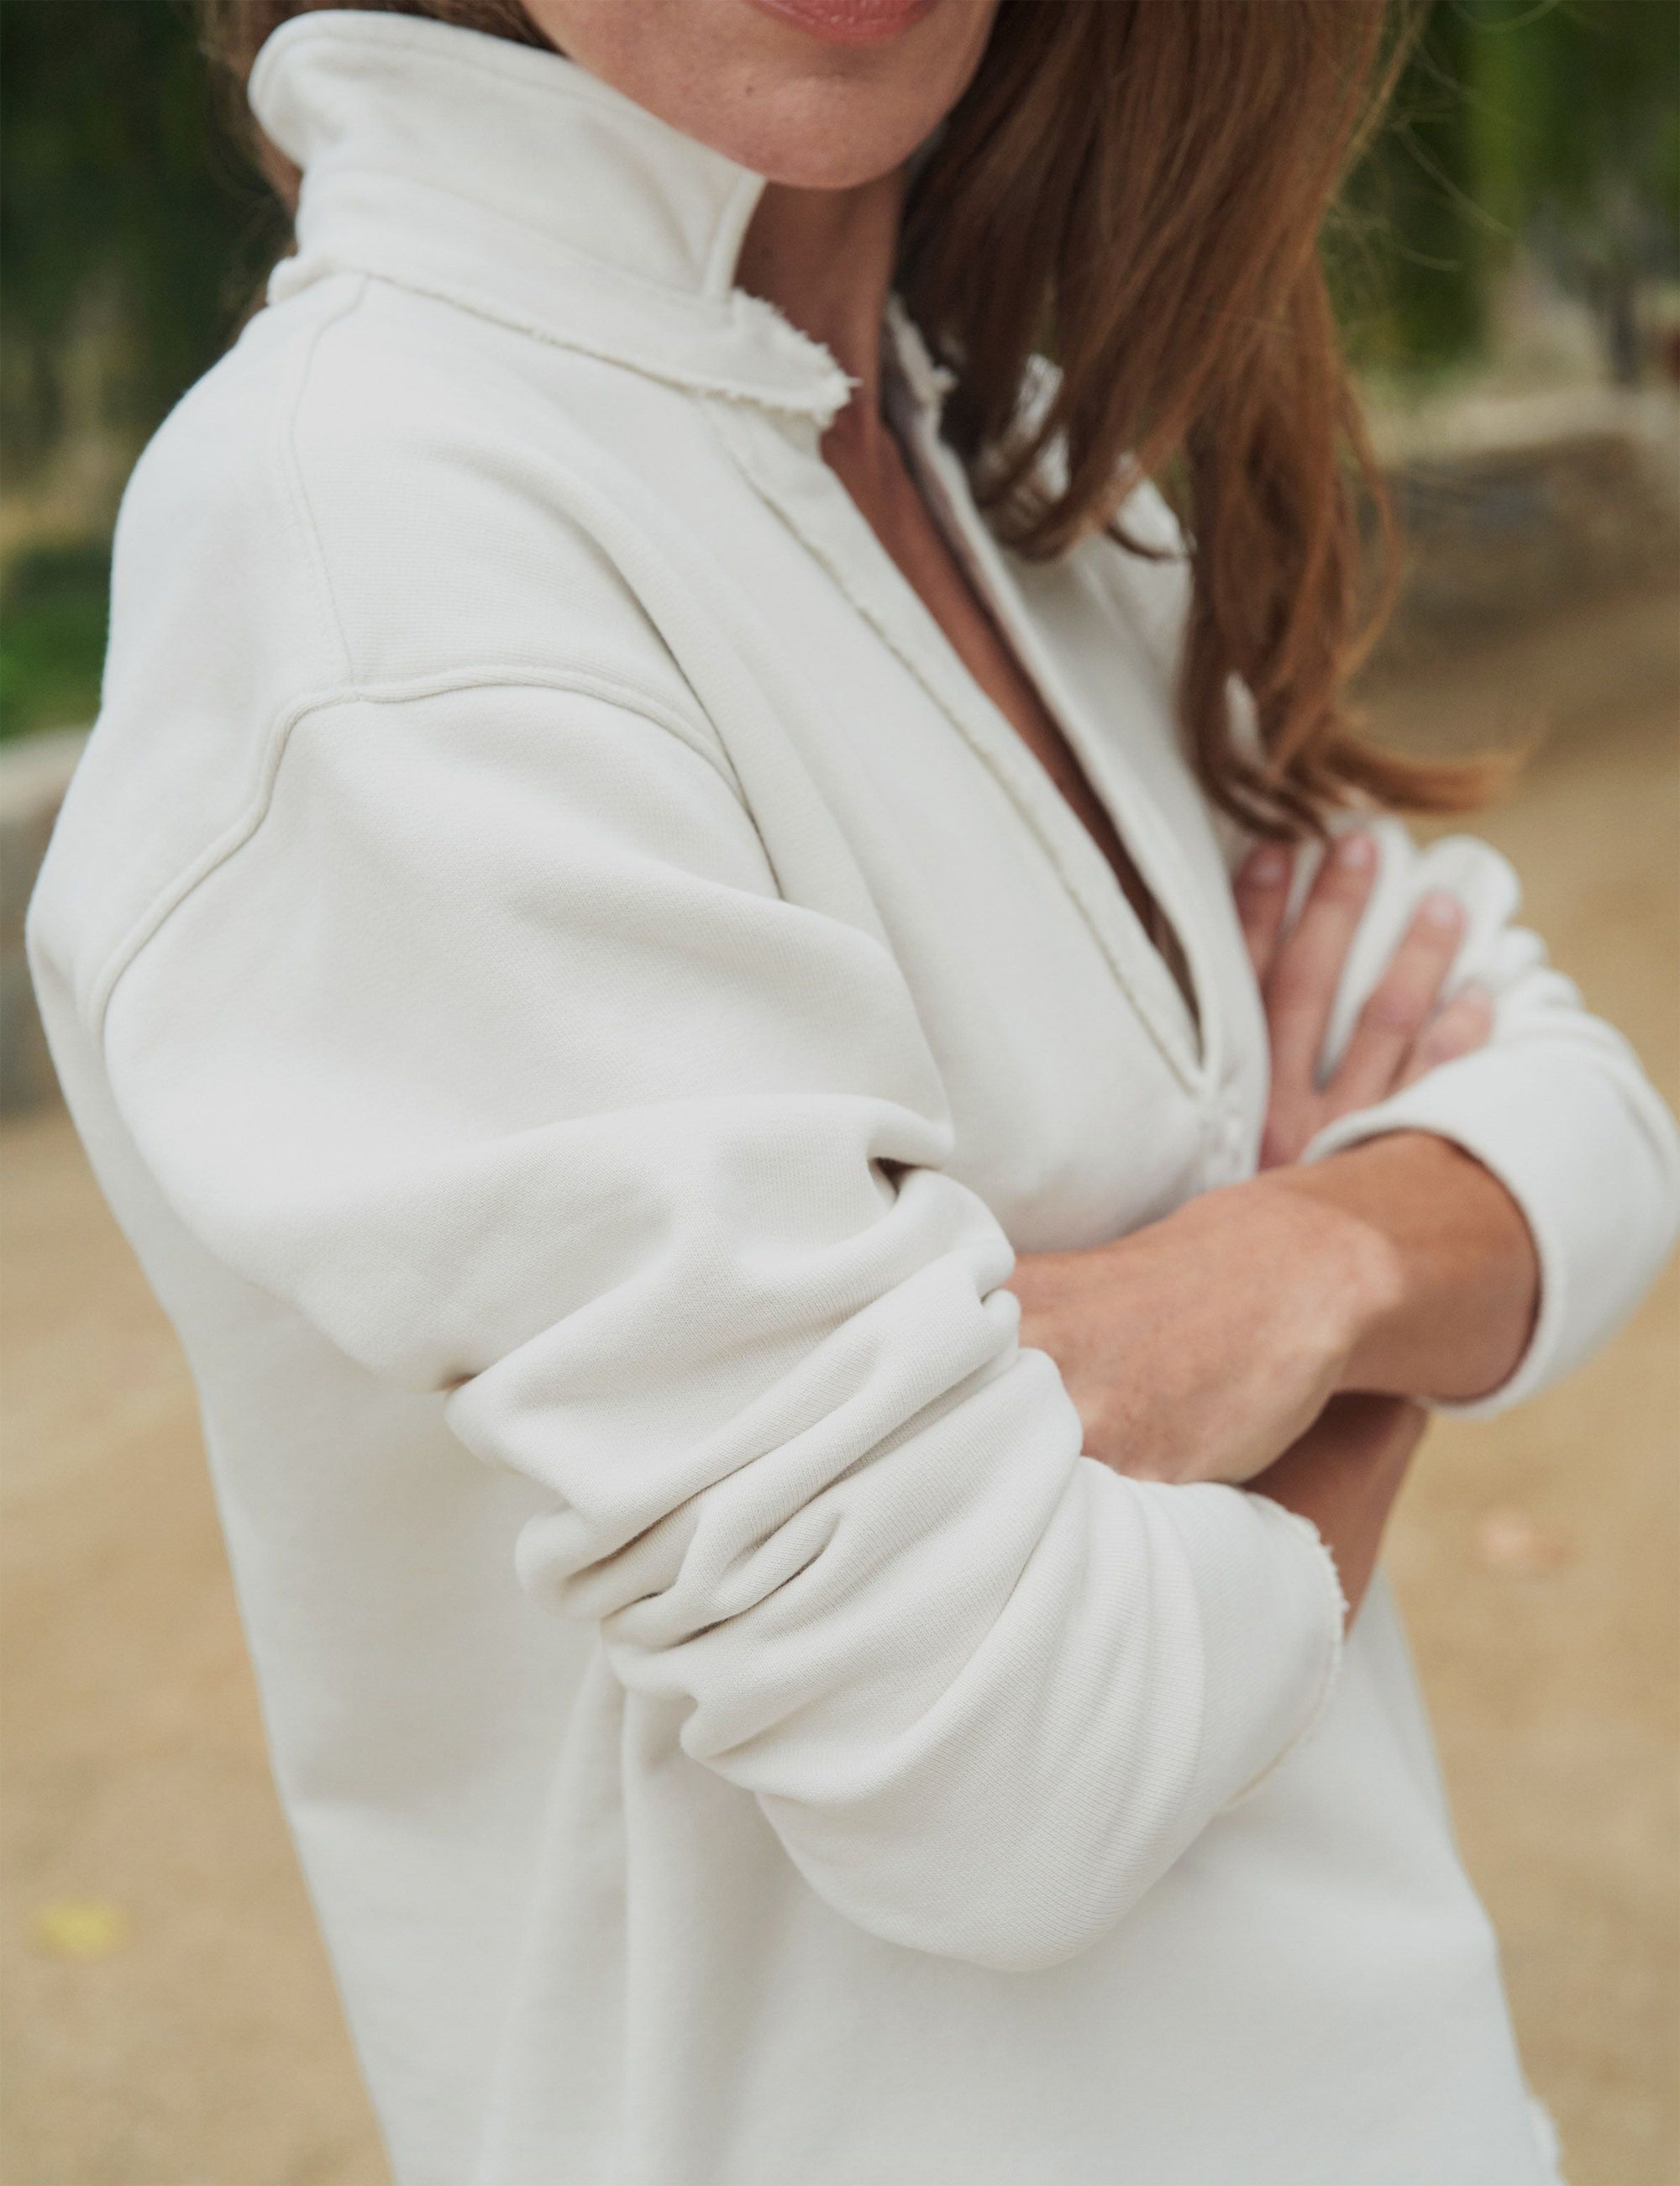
<point>1440,909</point>
<point>1355,852</point>
<point>1267,866</point>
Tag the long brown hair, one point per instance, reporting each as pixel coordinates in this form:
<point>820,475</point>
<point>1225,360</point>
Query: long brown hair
<point>1137,186</point>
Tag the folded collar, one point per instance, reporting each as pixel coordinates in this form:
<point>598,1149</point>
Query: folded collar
<point>510,181</point>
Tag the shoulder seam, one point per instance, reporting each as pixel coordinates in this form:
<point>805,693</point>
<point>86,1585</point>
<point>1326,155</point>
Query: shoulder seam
<point>292,468</point>
<point>611,689</point>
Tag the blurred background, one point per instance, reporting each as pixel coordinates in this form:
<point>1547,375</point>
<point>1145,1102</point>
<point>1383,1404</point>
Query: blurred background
<point>1508,259</point>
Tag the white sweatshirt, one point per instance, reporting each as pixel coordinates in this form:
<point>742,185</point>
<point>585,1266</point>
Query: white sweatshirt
<point>575,994</point>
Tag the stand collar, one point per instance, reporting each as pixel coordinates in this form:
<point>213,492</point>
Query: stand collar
<point>509,180</point>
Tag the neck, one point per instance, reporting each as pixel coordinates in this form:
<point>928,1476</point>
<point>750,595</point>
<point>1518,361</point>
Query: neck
<point>825,258</point>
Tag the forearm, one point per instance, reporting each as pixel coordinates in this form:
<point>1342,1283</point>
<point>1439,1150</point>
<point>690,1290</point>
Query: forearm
<point>1344,1474</point>
<point>1203,1345</point>
<point>1450,1276</point>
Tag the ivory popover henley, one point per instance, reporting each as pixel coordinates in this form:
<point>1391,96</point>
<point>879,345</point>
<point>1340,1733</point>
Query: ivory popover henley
<point>575,994</point>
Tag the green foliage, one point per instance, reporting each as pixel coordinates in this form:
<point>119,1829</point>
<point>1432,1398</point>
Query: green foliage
<point>52,637</point>
<point>124,226</point>
<point>1409,253</point>
<point>1557,120</point>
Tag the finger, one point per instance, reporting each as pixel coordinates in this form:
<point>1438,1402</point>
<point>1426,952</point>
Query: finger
<point>1400,1006</point>
<point>1459,1027</point>
<point>1301,984</point>
<point>1262,890</point>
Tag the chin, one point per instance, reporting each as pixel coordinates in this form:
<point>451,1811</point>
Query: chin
<point>808,110</point>
<point>825,144</point>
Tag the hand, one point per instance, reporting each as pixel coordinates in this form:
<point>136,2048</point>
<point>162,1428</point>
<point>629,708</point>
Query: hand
<point>1202,1346</point>
<point>1344,1474</point>
<point>1199,1347</point>
<point>1405,1029</point>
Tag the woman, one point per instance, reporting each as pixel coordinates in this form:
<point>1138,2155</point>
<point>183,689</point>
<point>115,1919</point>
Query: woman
<point>626,870</point>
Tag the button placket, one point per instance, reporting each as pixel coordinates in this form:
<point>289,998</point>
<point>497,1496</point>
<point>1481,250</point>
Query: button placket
<point>1192,1043</point>
<point>782,460</point>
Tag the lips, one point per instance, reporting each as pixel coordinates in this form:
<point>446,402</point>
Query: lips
<point>849,22</point>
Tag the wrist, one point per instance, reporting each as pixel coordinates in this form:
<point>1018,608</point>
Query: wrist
<point>1343,1475</point>
<point>1355,1275</point>
<point>1453,1312</point>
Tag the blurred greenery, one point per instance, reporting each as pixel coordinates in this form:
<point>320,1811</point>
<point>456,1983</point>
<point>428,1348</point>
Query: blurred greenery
<point>1553,123</point>
<point>133,236</point>
<point>125,217</point>
<point>53,636</point>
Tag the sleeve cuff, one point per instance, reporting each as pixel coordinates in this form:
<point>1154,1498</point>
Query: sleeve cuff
<point>1272,1632</point>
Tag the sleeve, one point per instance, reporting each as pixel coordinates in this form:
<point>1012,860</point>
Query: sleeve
<point>1555,1105</point>
<point>494,1049</point>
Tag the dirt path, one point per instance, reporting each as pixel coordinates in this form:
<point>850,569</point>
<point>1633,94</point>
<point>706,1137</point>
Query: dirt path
<point>169,2020</point>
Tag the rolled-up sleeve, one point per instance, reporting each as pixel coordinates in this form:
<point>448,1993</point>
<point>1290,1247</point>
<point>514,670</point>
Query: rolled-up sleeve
<point>1555,1105</point>
<point>494,1049</point>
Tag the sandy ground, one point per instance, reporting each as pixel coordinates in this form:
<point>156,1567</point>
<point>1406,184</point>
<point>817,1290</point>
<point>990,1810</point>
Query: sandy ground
<point>169,2018</point>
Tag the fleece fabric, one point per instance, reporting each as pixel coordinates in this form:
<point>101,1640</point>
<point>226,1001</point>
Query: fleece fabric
<point>576,998</point>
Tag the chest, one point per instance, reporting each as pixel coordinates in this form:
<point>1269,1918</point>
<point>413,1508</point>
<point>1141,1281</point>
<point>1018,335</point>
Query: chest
<point>1086,1096</point>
